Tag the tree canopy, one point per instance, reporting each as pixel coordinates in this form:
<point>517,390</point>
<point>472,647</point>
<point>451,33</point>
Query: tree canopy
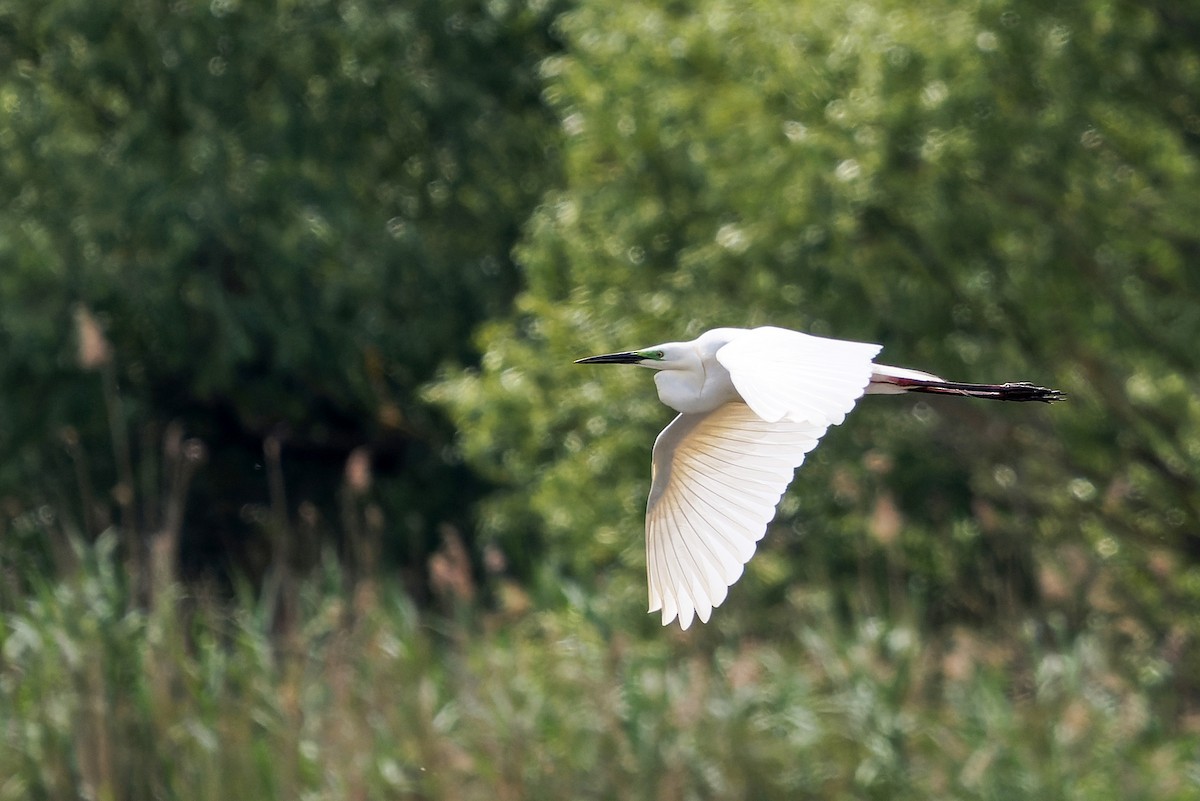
<point>277,224</point>
<point>994,190</point>
<point>319,268</point>
<point>283,217</point>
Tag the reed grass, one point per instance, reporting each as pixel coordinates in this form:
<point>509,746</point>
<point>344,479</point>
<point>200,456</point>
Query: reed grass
<point>366,697</point>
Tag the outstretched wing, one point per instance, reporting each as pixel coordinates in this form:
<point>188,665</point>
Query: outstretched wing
<point>717,479</point>
<point>786,374</point>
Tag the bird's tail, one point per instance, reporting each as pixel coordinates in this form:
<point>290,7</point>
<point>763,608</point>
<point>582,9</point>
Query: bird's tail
<point>1017,391</point>
<point>894,380</point>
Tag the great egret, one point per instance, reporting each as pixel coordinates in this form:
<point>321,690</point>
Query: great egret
<point>752,404</point>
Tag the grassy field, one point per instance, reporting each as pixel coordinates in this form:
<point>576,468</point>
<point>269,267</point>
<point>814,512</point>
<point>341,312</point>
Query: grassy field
<point>361,696</point>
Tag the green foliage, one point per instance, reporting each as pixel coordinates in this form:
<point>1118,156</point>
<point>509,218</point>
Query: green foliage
<point>996,190</point>
<point>196,700</point>
<point>274,223</point>
<point>284,216</point>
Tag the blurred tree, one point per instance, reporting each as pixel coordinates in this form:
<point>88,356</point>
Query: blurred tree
<point>996,190</point>
<point>283,217</point>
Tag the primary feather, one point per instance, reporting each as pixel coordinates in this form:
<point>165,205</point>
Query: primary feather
<point>717,479</point>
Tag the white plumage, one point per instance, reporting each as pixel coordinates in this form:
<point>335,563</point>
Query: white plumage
<point>752,403</point>
<point>717,479</point>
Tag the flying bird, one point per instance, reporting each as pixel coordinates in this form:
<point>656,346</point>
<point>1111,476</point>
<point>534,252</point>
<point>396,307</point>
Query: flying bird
<point>752,403</point>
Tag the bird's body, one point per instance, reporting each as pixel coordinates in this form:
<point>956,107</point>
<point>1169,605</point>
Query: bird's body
<point>752,404</point>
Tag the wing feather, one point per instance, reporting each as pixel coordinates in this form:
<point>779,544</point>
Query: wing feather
<point>732,534</point>
<point>787,374</point>
<point>695,600</point>
<point>718,477</point>
<point>725,562</point>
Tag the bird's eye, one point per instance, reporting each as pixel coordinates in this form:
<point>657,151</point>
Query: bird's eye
<point>658,354</point>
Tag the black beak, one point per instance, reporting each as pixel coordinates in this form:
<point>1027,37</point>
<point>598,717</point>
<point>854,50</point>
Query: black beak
<point>628,357</point>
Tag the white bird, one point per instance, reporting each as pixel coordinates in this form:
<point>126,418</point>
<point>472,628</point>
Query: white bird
<point>752,403</point>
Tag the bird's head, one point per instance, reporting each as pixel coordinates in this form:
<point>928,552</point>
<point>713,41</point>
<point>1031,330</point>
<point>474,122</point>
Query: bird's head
<point>668,356</point>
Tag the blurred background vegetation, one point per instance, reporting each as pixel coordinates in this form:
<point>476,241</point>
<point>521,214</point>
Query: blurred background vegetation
<point>301,497</point>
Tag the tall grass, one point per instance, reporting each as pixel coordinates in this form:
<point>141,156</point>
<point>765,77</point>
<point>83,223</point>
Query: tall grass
<point>364,697</point>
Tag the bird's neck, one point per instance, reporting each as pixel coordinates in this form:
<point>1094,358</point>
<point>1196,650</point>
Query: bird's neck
<point>695,391</point>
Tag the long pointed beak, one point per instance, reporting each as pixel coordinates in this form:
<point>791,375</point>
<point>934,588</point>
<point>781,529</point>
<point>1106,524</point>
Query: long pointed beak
<point>629,357</point>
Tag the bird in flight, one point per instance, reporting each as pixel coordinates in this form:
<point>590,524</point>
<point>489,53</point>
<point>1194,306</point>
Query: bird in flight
<point>752,403</point>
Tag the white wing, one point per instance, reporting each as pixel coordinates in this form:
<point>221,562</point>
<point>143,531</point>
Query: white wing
<point>787,374</point>
<point>717,479</point>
